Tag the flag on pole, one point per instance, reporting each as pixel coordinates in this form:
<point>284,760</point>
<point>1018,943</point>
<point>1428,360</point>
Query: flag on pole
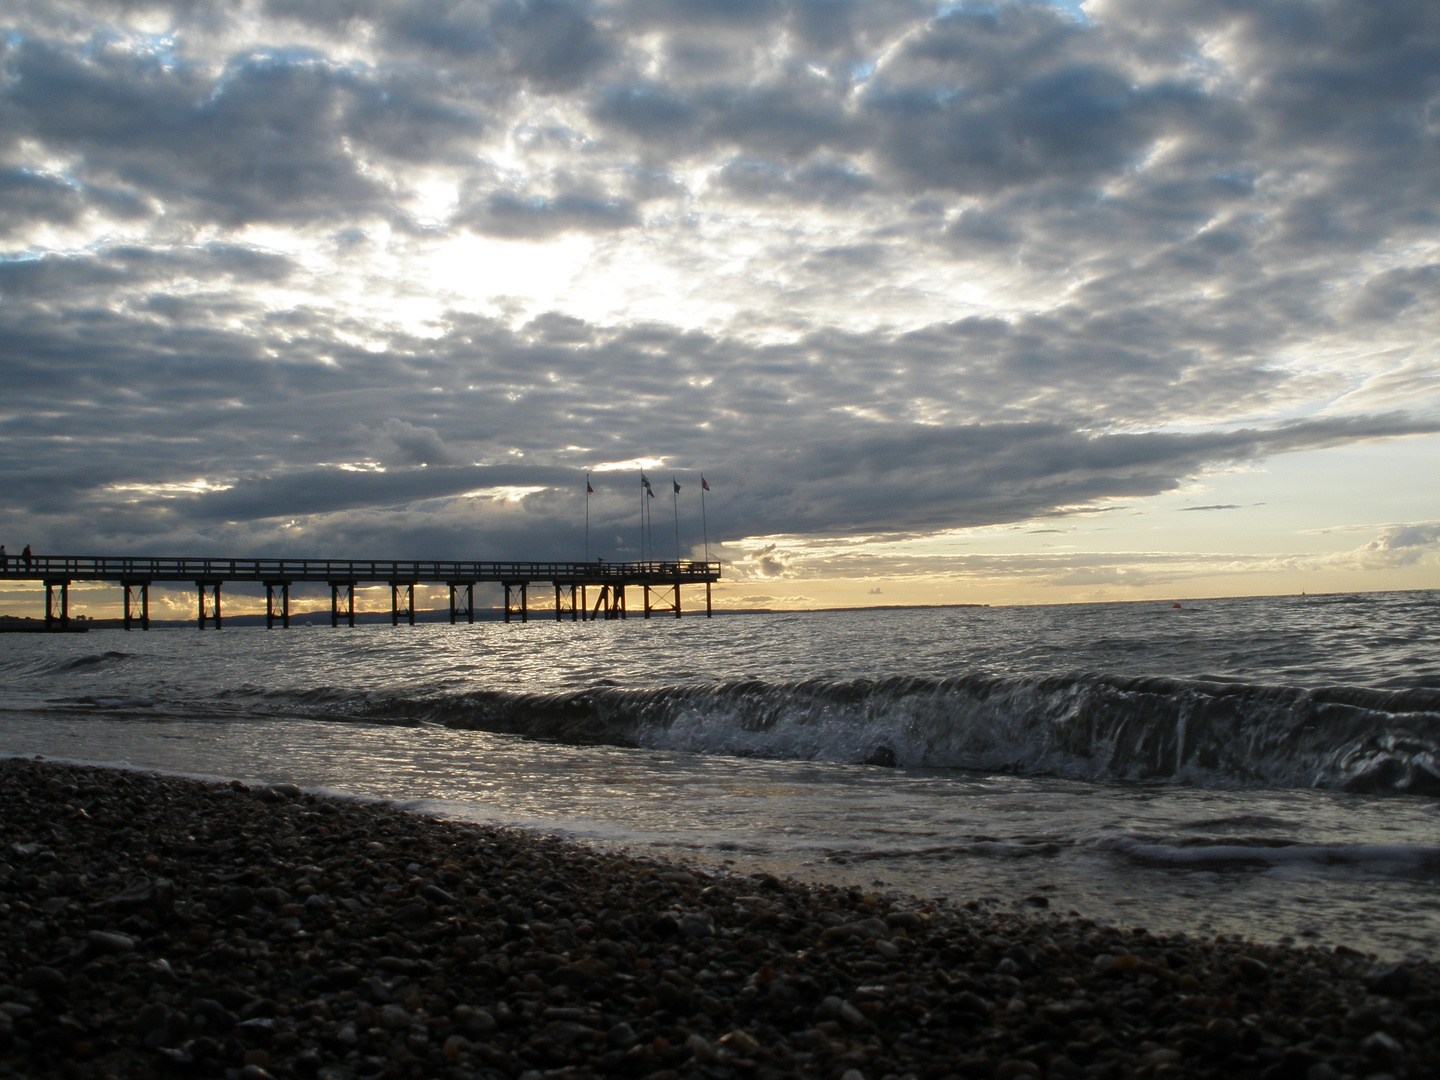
<point>588,489</point>
<point>649,491</point>
<point>704,484</point>
<point>677,485</point>
<point>645,482</point>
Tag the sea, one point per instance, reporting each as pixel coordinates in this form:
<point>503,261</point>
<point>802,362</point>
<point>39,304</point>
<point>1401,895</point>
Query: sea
<point>1267,768</point>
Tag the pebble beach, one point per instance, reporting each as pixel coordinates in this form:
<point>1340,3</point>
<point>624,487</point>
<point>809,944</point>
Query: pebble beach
<point>161,926</point>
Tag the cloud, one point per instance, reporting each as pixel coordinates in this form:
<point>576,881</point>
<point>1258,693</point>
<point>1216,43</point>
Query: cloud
<point>876,267</point>
<point>1402,545</point>
<point>415,445</point>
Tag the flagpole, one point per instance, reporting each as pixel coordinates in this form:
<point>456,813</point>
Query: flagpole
<point>675,498</point>
<point>705,525</point>
<point>587,517</point>
<point>642,515</point>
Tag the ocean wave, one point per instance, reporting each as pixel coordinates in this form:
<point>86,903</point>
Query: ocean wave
<point>94,660</point>
<point>1087,727</point>
<point>1078,726</point>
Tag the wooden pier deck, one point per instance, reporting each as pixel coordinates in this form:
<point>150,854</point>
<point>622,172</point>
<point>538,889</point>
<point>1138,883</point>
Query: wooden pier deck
<point>659,583</point>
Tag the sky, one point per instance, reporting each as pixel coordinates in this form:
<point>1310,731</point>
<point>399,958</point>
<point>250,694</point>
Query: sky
<point>990,303</point>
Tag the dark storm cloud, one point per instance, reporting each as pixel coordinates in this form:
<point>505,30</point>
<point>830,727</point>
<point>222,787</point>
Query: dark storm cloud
<point>1163,201</point>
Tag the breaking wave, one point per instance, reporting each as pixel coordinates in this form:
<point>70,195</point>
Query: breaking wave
<point>1088,727</point>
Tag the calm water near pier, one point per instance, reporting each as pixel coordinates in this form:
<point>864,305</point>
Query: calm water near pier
<point>1266,767</point>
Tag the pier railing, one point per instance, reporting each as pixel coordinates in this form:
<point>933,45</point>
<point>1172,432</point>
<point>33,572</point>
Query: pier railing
<point>441,571</point>
<point>136,575</point>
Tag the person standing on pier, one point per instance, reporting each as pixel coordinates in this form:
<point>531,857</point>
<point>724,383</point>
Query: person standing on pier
<point>26,556</point>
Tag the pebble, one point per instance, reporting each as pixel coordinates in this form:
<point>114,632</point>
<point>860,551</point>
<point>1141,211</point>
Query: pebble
<point>179,928</point>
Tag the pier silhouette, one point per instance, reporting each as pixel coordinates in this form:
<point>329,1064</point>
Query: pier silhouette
<point>658,581</point>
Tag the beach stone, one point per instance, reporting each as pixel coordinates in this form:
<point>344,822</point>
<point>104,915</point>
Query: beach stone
<point>1392,980</point>
<point>102,941</point>
<point>1013,1069</point>
<point>697,924</point>
<point>621,1035</point>
<point>157,896</point>
<point>239,897</point>
<point>44,980</point>
<point>1252,970</point>
<point>1382,1047</point>
<point>476,1021</point>
<point>158,1025</point>
<point>394,1017</point>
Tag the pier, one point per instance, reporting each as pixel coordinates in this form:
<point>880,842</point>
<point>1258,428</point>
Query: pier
<point>658,584</point>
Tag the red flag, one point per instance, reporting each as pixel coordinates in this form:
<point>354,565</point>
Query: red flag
<point>588,489</point>
<point>704,483</point>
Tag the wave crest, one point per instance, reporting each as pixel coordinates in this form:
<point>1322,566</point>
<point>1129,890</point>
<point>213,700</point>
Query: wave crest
<point>1081,726</point>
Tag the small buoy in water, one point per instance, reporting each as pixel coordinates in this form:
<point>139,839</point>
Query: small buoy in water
<point>1175,605</point>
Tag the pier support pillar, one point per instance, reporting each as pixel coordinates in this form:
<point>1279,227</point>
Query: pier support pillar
<point>524,588</point>
<point>51,614</point>
<point>131,590</point>
<point>646,600</point>
<point>395,610</point>
<point>209,607</point>
<point>574,611</point>
<point>619,609</point>
<point>335,587</point>
<point>273,611</point>
<point>602,599</point>
<point>707,600</point>
<point>469,608</point>
<point>677,599</point>
<point>557,601</point>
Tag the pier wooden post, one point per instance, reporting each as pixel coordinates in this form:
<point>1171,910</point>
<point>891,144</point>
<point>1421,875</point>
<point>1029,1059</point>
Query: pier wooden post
<point>283,614</point>
<point>50,614</point>
<point>469,587</point>
<point>395,611</point>
<point>557,601</point>
<point>210,591</point>
<point>677,599</point>
<point>707,599</point>
<point>130,587</point>
<point>524,602</point>
<point>507,600</point>
<point>620,601</point>
<point>335,587</point>
<point>646,600</point>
